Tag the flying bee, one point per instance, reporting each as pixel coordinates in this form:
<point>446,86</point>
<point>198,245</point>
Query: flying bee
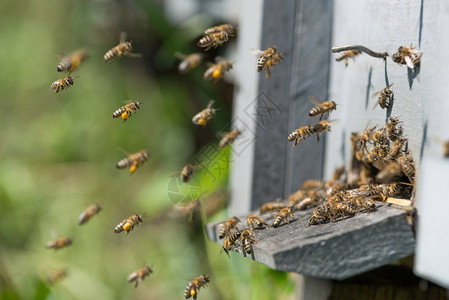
<point>205,115</point>
<point>128,224</point>
<point>126,111</point>
<point>59,243</point>
<point>213,40</point>
<point>134,160</point>
<point>408,56</point>
<point>300,134</point>
<point>247,240</point>
<point>268,58</point>
<point>217,71</point>
<point>228,28</point>
<point>227,226</point>
<point>62,84</point>
<point>321,107</point>
<point>229,137</point>
<point>320,127</point>
<point>282,215</point>
<point>89,213</point>
<point>230,242</point>
<point>189,62</point>
<point>124,48</point>
<point>139,275</point>
<point>189,210</point>
<point>56,276</point>
<point>271,206</point>
<point>188,171</point>
<point>193,287</point>
<point>253,221</point>
<point>71,62</point>
<point>386,96</point>
<point>348,54</point>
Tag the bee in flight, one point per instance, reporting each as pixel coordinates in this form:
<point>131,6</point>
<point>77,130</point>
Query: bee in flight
<point>229,137</point>
<point>348,54</point>
<point>126,111</point>
<point>267,59</point>
<point>300,134</point>
<point>128,224</point>
<point>189,210</point>
<point>188,171</point>
<point>213,40</point>
<point>320,127</point>
<point>124,48</point>
<point>205,115</point>
<point>385,98</point>
<point>189,62</point>
<point>56,276</point>
<point>408,56</point>
<point>193,287</point>
<point>217,71</point>
<point>228,28</point>
<point>89,213</point>
<point>62,84</point>
<point>321,107</point>
<point>74,60</point>
<point>139,275</point>
<point>134,160</point>
<point>59,243</point>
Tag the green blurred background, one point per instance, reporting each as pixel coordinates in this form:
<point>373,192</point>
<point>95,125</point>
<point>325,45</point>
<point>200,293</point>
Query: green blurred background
<point>58,154</point>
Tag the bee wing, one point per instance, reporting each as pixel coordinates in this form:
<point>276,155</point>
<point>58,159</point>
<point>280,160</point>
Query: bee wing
<point>409,62</point>
<point>122,37</point>
<point>180,55</point>
<point>315,100</point>
<point>211,102</point>
<point>375,104</point>
<point>256,52</point>
<point>375,94</point>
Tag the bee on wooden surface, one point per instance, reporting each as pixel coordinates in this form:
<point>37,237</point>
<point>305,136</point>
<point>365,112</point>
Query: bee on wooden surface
<point>271,206</point>
<point>300,134</point>
<point>62,84</point>
<point>134,160</point>
<point>407,167</point>
<point>282,215</point>
<point>56,276</point>
<point>213,40</point>
<point>189,62</point>
<point>139,275</point>
<point>71,62</point>
<point>126,111</point>
<point>391,172</point>
<point>446,149</point>
<point>228,28</point>
<point>128,224</point>
<point>124,48</point>
<point>188,171</point>
<point>318,216</point>
<point>320,127</point>
<point>227,226</point>
<point>89,213</point>
<point>217,71</point>
<point>230,242</point>
<point>253,221</point>
<point>229,137</point>
<point>386,96</point>
<point>408,56</point>
<point>348,54</point>
<point>205,115</point>
<point>59,243</point>
<point>267,59</point>
<point>321,107</point>
<point>194,286</point>
<point>248,239</point>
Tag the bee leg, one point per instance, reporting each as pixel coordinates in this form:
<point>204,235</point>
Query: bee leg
<point>137,282</point>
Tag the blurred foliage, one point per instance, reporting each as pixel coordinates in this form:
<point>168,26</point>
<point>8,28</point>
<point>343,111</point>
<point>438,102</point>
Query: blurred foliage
<point>58,154</point>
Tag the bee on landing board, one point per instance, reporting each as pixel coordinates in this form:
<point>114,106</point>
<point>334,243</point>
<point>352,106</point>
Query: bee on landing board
<point>216,71</point>
<point>248,239</point>
<point>133,161</point>
<point>348,54</point>
<point>128,224</point>
<point>321,107</point>
<point>253,221</point>
<point>267,59</point>
<point>139,275</point>
<point>126,111</point>
<point>300,134</point>
<point>59,243</point>
<point>408,56</point>
<point>213,40</point>
<point>229,137</point>
<point>205,115</point>
<point>282,215</point>
<point>124,48</point>
<point>193,287</point>
<point>62,84</point>
<point>227,226</point>
<point>385,98</point>
<point>228,28</point>
<point>189,62</point>
<point>230,242</point>
<point>89,213</point>
<point>71,62</point>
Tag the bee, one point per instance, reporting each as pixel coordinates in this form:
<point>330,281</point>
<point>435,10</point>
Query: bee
<point>123,48</point>
<point>189,62</point>
<point>386,96</point>
<point>300,134</point>
<point>381,151</point>
<point>321,107</point>
<point>134,160</point>
<point>62,84</point>
<point>407,167</point>
<point>126,111</point>
<point>408,56</point>
<point>247,240</point>
<point>390,128</point>
<point>213,40</point>
<point>312,184</point>
<point>253,221</point>
<point>139,275</point>
<point>227,226</point>
<point>282,215</point>
<point>267,59</point>
<point>128,224</point>
<point>69,63</point>
<point>188,171</point>
<point>189,210</point>
<point>217,71</point>
<point>205,115</point>
<point>194,286</point>
<point>229,137</point>
<point>230,242</point>
<point>56,276</point>
<point>271,206</point>
<point>228,28</point>
<point>320,127</point>
<point>391,172</point>
<point>396,148</point>
<point>446,149</point>
<point>59,243</point>
<point>380,137</point>
<point>348,54</point>
<point>89,213</point>
<point>318,216</point>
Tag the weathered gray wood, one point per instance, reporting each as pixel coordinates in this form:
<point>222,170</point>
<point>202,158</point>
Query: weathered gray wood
<point>334,250</point>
